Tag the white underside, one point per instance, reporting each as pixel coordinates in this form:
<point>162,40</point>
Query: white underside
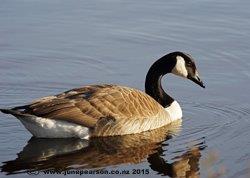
<point>174,111</point>
<point>49,128</point>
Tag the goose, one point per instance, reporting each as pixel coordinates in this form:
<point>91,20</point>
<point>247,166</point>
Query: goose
<point>108,109</point>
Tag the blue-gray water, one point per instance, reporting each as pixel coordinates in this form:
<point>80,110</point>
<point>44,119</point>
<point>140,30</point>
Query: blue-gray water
<point>47,47</point>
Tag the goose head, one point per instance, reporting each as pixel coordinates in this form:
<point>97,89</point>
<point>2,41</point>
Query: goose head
<point>177,63</point>
<point>184,66</point>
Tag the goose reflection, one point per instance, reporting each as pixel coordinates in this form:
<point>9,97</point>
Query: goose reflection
<point>98,153</point>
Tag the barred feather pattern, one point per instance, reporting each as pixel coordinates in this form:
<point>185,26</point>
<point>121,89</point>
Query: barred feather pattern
<point>105,109</point>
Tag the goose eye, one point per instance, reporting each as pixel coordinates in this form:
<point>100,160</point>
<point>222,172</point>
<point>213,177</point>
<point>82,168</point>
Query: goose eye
<point>189,63</point>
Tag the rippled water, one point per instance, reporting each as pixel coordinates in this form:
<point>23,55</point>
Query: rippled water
<point>47,47</point>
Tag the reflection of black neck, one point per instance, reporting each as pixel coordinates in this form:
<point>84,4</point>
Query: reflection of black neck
<point>153,80</point>
<point>189,159</point>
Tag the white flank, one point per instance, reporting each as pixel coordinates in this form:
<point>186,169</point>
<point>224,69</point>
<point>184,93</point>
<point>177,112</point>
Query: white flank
<point>180,67</point>
<point>49,128</point>
<point>174,111</point>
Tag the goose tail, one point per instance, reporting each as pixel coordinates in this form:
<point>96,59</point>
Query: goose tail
<point>16,111</point>
<point>10,111</point>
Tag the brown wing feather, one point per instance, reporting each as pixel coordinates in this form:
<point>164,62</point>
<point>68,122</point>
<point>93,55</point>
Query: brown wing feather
<point>108,109</point>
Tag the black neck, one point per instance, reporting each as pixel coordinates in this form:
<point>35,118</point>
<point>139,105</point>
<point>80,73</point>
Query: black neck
<point>153,80</point>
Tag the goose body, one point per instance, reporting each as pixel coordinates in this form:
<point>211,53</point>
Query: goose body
<point>108,110</point>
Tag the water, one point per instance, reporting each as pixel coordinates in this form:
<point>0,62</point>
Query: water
<point>47,47</point>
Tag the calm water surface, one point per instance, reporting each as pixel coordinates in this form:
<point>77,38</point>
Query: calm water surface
<point>47,47</point>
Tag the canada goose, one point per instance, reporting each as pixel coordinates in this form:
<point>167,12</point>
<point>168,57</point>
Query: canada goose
<point>108,110</point>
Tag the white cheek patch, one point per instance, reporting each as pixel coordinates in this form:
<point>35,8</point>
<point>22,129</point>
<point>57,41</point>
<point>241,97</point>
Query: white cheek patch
<point>180,67</point>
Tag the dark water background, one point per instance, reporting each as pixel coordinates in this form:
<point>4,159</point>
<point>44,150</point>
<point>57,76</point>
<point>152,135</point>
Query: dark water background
<point>47,47</point>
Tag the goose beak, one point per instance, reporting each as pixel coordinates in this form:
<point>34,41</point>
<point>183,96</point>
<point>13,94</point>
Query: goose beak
<point>196,79</point>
